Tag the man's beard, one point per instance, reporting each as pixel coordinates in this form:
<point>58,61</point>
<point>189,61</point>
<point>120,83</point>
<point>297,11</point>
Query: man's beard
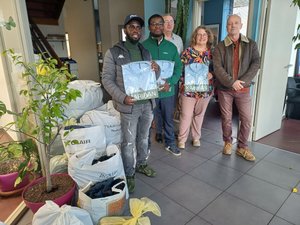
<point>133,41</point>
<point>156,35</point>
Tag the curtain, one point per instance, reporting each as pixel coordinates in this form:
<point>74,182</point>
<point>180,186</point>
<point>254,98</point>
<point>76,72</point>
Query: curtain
<point>182,18</point>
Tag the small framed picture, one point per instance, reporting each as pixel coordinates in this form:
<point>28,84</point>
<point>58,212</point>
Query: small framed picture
<point>215,30</point>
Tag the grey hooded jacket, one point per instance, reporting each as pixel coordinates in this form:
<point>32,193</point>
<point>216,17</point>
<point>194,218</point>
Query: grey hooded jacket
<point>112,77</point>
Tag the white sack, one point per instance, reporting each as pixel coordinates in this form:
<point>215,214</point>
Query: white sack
<point>59,164</point>
<point>91,98</point>
<point>80,166</point>
<point>107,206</point>
<point>51,214</point>
<point>84,137</point>
<point>111,123</point>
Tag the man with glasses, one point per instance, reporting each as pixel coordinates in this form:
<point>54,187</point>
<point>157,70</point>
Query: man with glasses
<point>236,62</point>
<point>161,49</point>
<point>136,116</point>
<point>169,35</point>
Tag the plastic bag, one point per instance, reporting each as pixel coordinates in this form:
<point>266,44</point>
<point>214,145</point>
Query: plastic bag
<point>59,164</point>
<point>139,80</point>
<point>105,206</point>
<point>82,169</point>
<point>137,208</point>
<point>91,98</point>
<point>111,124</point>
<point>81,137</point>
<point>51,214</point>
<point>166,70</point>
<point>195,78</point>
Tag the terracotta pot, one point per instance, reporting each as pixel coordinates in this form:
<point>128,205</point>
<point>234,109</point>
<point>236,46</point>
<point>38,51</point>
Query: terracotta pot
<point>64,199</point>
<point>7,182</point>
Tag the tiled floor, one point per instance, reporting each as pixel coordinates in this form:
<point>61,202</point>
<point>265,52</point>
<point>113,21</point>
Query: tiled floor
<point>204,187</point>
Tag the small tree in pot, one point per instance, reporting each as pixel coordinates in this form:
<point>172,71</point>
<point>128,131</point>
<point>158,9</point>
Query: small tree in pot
<point>47,94</point>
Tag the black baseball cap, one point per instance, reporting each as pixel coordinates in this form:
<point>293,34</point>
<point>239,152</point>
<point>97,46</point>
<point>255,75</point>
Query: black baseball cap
<point>131,17</point>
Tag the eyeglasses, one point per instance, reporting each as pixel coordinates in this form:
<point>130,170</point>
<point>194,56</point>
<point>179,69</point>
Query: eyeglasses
<point>202,35</point>
<point>157,24</point>
<point>132,27</point>
<point>169,21</point>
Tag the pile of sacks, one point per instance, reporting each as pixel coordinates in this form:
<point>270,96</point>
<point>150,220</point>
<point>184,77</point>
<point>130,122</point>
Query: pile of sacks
<point>91,153</point>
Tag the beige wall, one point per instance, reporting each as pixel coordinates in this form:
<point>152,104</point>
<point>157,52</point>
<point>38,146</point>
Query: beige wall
<point>80,25</point>
<point>112,14</point>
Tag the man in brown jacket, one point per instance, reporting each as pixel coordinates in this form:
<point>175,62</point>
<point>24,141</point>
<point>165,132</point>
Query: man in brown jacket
<point>236,61</point>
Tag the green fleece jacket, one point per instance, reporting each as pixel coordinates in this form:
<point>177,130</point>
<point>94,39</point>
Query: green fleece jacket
<point>166,50</point>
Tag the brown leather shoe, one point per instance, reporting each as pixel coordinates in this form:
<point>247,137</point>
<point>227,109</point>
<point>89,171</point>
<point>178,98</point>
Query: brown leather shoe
<point>246,154</point>
<point>227,149</point>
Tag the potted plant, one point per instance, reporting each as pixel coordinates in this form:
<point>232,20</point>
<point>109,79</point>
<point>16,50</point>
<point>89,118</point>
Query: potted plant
<point>47,94</point>
<point>18,160</point>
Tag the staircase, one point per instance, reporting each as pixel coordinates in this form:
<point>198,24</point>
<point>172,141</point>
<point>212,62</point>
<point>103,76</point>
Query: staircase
<point>45,12</point>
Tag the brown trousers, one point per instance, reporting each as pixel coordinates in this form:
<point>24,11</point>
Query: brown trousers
<point>243,103</point>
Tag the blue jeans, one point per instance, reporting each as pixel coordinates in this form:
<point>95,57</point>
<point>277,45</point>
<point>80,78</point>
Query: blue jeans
<point>135,129</point>
<point>163,114</point>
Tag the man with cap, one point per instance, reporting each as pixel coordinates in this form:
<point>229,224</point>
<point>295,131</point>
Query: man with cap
<point>136,116</point>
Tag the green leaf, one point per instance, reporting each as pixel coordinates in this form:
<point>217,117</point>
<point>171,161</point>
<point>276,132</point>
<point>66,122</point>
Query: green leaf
<point>2,108</point>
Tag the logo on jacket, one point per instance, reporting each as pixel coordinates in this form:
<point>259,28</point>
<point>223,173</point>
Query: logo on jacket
<point>165,53</point>
<point>121,56</point>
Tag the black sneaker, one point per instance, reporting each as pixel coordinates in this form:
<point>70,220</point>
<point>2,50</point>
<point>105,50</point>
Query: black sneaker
<point>174,150</point>
<point>158,138</point>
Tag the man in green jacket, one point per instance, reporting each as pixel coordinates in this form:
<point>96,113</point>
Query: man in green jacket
<point>161,49</point>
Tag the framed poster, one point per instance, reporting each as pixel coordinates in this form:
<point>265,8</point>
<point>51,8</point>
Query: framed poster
<point>215,30</point>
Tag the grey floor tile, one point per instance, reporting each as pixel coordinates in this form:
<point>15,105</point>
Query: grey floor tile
<point>277,221</point>
<point>216,138</point>
<point>260,150</point>
<point>205,132</point>
<point>216,175</point>
<point>287,159</point>
<point>186,162</point>
<point>197,221</point>
<point>165,175</point>
<point>157,151</point>
<point>259,193</point>
<point>191,193</point>
<point>171,212</point>
<point>229,210</point>
<point>142,189</point>
<point>275,174</point>
<point>207,150</point>
<point>290,210</point>
<point>233,161</point>
<point>298,188</point>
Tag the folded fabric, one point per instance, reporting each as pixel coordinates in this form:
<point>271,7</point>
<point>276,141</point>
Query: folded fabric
<point>139,80</point>
<point>166,70</point>
<point>195,79</point>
